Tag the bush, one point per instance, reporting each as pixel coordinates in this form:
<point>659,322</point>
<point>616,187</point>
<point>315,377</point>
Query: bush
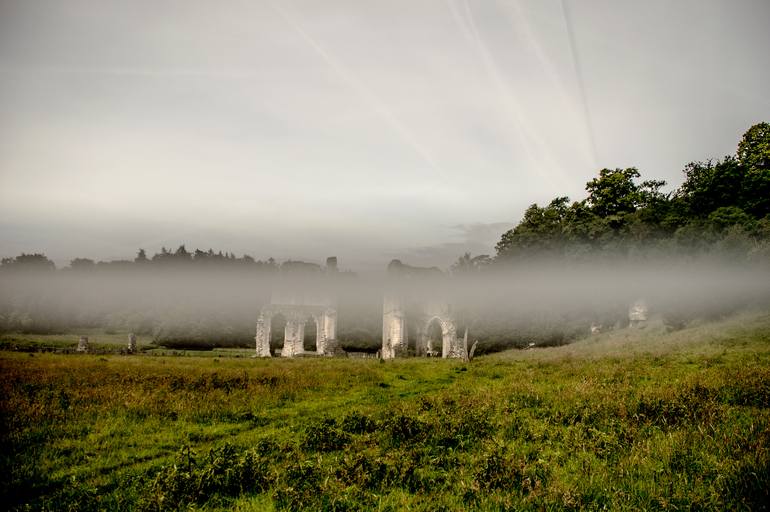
<point>325,435</point>
<point>224,472</point>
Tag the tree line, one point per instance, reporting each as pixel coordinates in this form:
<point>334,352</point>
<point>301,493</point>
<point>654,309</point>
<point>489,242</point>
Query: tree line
<point>165,258</point>
<point>722,205</point>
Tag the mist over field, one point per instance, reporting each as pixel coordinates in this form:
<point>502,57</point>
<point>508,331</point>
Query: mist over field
<point>352,255</point>
<point>542,302</point>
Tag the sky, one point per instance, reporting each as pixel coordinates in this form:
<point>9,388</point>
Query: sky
<point>367,130</point>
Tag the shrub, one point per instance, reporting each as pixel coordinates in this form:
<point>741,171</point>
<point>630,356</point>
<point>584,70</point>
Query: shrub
<point>325,435</point>
<point>224,472</point>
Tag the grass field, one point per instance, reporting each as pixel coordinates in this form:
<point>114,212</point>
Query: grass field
<point>104,343</point>
<point>631,419</point>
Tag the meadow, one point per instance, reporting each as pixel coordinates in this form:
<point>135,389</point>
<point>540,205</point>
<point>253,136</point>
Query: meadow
<point>626,420</point>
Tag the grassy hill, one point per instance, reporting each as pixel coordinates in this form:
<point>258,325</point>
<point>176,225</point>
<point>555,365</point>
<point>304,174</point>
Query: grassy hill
<point>629,419</point>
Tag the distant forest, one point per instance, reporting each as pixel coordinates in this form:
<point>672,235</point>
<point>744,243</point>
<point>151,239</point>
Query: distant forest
<point>721,210</point>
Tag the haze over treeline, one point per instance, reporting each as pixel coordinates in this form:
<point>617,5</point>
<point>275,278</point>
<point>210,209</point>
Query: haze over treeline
<point>701,250</point>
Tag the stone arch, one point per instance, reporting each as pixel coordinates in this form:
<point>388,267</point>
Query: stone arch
<point>395,335</point>
<point>297,317</point>
<point>448,336</point>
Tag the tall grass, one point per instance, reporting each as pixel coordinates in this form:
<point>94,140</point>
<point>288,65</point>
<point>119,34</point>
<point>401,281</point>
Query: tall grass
<point>626,420</point>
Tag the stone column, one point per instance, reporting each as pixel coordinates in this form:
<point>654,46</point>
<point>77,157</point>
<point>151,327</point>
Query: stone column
<point>326,324</point>
<point>294,336</point>
<point>83,345</point>
<point>394,337</point>
<point>131,343</point>
<point>330,324</point>
<point>320,334</point>
<point>450,346</point>
<point>263,335</point>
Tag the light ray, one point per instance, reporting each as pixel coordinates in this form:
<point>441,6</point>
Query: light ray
<point>579,76</point>
<point>526,134</point>
<point>522,21</point>
<point>361,90</point>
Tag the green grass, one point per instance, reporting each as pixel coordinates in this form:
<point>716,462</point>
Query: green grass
<point>105,342</point>
<point>631,419</point>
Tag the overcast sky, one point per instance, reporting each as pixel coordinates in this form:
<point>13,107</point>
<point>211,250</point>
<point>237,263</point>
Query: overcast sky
<point>368,130</point>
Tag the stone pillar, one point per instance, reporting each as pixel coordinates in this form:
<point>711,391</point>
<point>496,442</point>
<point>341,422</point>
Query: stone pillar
<point>293,337</point>
<point>394,336</point>
<point>263,335</point>
<point>131,343</point>
<point>83,345</point>
<point>637,314</point>
<point>320,334</point>
<point>450,346</point>
<point>330,324</point>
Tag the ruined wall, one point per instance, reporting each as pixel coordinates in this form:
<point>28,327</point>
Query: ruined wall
<point>294,333</point>
<point>395,335</point>
<point>264,324</point>
<point>399,302</point>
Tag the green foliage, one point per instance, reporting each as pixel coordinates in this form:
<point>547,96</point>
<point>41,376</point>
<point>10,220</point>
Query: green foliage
<point>225,472</point>
<point>325,435</point>
<point>621,216</point>
<point>614,192</point>
<point>754,147</point>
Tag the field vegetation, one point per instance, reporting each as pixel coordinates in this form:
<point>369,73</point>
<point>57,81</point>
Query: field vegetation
<point>629,419</point>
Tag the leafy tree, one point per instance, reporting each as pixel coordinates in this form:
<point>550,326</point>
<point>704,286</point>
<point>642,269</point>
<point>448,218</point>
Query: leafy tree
<point>726,216</point>
<point>614,192</point>
<point>581,226</point>
<point>710,185</point>
<point>541,229</point>
<point>754,147</point>
<point>754,154</point>
<point>719,199</point>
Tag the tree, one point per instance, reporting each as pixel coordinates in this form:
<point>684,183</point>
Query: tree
<point>710,185</point>
<point>754,155</point>
<point>614,192</point>
<point>82,264</point>
<point>141,257</point>
<point>540,229</point>
<point>181,254</point>
<point>467,264</point>
<point>33,262</point>
<point>754,148</point>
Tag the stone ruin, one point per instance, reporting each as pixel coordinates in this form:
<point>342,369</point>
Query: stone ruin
<point>83,345</point>
<point>638,313</point>
<point>297,315</point>
<point>397,308</point>
<point>300,306</point>
<point>131,343</point>
<point>396,336</point>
